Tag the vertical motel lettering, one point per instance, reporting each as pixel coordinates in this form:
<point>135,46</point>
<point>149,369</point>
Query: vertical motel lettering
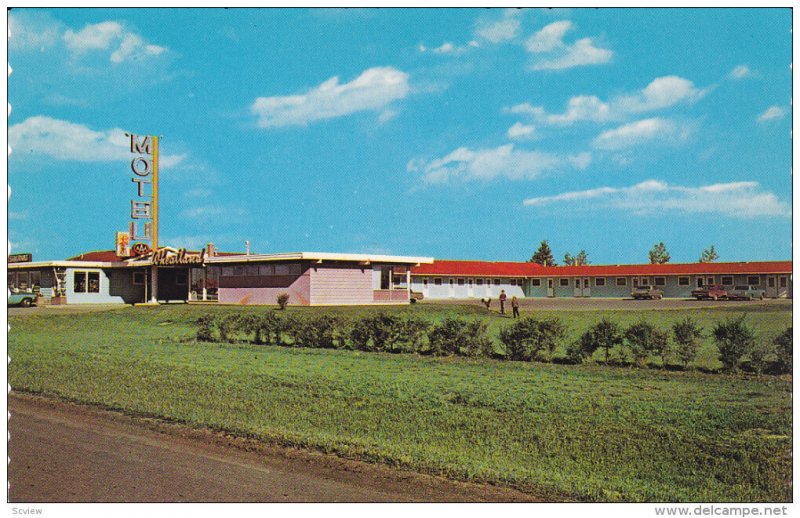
<point>142,207</point>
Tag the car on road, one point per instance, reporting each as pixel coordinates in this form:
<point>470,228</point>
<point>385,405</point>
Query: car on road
<point>22,298</point>
<point>647,292</point>
<point>711,291</point>
<point>746,293</point>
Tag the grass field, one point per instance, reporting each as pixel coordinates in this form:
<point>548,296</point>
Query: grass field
<point>562,432</point>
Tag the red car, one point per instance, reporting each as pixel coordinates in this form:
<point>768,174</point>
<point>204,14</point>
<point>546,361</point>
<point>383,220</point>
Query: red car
<point>712,291</point>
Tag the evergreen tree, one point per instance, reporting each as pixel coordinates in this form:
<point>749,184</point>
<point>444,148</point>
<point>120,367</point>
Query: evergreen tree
<point>659,254</point>
<point>543,255</point>
<point>709,255</point>
<point>580,259</point>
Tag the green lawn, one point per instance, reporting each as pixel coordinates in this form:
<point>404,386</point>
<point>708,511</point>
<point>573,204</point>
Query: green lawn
<point>564,432</point>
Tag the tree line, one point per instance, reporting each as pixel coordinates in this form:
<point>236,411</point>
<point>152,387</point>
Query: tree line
<point>657,255</point>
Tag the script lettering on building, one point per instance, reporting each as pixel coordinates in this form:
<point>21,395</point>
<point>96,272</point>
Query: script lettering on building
<point>20,258</point>
<point>166,257</point>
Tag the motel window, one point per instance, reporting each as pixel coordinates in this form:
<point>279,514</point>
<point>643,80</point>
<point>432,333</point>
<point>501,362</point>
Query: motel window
<point>709,281</point>
<point>138,278</point>
<point>227,271</point>
<point>251,270</point>
<point>86,282</point>
<point>622,281</point>
<point>536,282</point>
<point>727,280</point>
<point>661,281</point>
<point>12,280</point>
<point>599,281</point>
<point>683,281</point>
<point>238,271</point>
<point>563,282</point>
<point>283,269</point>
<point>266,269</point>
<point>479,282</point>
<point>461,282</point>
<point>452,282</point>
<point>469,281</point>
<point>753,280</point>
<point>297,268</point>
<point>783,282</point>
<point>425,282</point>
<point>437,281</point>
<point>644,281</point>
<point>497,282</point>
<point>79,282</point>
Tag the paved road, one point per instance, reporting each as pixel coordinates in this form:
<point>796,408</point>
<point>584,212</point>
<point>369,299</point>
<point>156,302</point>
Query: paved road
<point>62,452</point>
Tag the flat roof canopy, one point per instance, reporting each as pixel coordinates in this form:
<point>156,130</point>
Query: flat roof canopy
<point>320,257</point>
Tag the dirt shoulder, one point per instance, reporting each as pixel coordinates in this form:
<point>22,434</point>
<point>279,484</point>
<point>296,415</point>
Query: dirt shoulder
<point>64,452</point>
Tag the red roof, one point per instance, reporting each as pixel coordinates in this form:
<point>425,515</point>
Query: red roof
<point>103,256</point>
<point>509,269</point>
<point>485,268</point>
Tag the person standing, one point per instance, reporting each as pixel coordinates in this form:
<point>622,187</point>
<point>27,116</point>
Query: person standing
<point>515,306</point>
<point>502,302</point>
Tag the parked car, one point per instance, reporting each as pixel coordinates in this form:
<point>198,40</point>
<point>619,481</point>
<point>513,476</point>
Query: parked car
<point>746,292</point>
<point>647,292</point>
<point>22,298</point>
<point>711,291</point>
<point>416,295</point>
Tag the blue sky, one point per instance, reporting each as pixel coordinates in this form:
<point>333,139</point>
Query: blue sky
<point>452,133</point>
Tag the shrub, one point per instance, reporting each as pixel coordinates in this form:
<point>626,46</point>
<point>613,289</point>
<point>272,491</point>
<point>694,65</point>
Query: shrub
<point>686,335</point>
<point>603,335</point>
<point>283,300</point>
<point>228,325</point>
<point>320,332</point>
<point>390,333</point>
<point>205,326</point>
<point>759,354</point>
<point>783,348</point>
<point>269,328</point>
<point>251,323</point>
<point>455,336</point>
<point>288,327</point>
<point>644,339</point>
<point>529,338</point>
<point>734,339</point>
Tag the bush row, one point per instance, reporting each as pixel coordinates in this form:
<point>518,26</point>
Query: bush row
<point>527,339</point>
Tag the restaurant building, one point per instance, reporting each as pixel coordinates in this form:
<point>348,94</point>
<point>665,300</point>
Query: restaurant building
<point>309,278</point>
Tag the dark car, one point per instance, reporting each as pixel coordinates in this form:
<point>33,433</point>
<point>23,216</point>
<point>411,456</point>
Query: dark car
<point>711,291</point>
<point>647,292</point>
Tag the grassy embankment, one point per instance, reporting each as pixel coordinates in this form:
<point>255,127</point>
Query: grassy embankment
<point>564,432</point>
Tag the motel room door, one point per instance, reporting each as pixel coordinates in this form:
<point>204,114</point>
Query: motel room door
<point>772,287</point>
<point>551,291</point>
<point>587,291</point>
<point>577,291</point>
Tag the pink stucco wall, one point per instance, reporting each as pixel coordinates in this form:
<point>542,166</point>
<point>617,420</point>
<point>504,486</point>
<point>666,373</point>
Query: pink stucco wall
<point>345,284</point>
<point>257,290</point>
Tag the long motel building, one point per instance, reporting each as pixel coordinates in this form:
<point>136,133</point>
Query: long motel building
<point>322,278</point>
<point>445,279</point>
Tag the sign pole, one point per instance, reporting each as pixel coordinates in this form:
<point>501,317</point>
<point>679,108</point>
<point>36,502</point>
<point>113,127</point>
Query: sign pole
<point>154,207</point>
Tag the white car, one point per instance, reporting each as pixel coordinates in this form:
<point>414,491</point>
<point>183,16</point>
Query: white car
<point>746,292</point>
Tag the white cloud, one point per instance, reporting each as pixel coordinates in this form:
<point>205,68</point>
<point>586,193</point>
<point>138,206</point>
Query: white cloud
<point>110,35</point>
<point>520,131</point>
<point>32,30</point>
<point>642,132</point>
<point>772,113</point>
<point>549,38</point>
<point>64,140</point>
<point>464,164</point>
<point>498,31</point>
<point>662,92</point>
<point>559,55</point>
<point>373,90</point>
<point>735,199</point>
<point>740,72</point>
